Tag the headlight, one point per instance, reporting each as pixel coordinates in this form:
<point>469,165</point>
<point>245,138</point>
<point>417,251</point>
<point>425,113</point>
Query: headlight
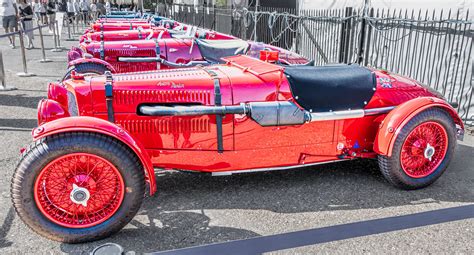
<point>49,110</point>
<point>57,93</point>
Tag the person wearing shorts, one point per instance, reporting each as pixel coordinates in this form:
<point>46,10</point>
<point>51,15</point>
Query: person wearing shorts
<point>36,9</point>
<point>51,11</point>
<point>84,5</point>
<point>70,10</point>
<point>8,12</point>
<point>26,17</point>
<point>42,10</point>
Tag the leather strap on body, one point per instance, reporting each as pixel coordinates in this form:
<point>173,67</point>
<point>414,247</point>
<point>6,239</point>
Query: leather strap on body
<point>217,102</point>
<point>109,96</point>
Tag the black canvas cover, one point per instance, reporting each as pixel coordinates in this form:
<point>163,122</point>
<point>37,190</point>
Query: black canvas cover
<point>331,88</point>
<point>213,50</point>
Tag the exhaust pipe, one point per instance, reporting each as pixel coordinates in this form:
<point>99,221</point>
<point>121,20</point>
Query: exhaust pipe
<point>192,110</point>
<point>275,113</point>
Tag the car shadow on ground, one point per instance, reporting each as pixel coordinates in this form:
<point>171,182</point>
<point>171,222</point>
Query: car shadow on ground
<point>20,100</point>
<point>24,124</point>
<point>175,217</point>
<point>5,227</point>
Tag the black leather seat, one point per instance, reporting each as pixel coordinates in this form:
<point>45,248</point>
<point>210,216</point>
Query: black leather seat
<point>331,88</point>
<point>213,50</point>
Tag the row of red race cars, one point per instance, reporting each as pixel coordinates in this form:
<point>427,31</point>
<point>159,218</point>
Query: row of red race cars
<point>144,47</point>
<point>221,105</point>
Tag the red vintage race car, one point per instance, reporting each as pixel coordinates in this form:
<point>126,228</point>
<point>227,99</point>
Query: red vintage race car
<point>147,55</point>
<point>146,34</point>
<point>126,24</point>
<point>100,138</point>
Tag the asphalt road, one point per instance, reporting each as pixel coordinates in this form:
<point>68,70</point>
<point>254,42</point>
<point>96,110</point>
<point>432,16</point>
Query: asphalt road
<point>193,209</point>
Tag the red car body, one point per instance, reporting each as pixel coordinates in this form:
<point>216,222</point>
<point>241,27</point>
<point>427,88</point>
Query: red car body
<point>242,116</point>
<point>243,80</point>
<point>179,51</point>
<point>140,34</point>
<point>112,26</point>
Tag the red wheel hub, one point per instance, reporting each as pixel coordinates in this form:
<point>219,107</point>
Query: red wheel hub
<point>79,190</point>
<point>424,149</point>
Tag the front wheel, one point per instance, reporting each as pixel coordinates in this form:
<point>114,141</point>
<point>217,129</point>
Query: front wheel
<point>77,187</point>
<point>422,150</point>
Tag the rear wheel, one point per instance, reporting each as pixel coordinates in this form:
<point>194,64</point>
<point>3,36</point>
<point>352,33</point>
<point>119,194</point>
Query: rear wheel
<point>422,150</point>
<point>87,69</point>
<point>77,187</point>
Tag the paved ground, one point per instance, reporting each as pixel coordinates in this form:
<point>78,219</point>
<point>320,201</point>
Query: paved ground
<point>192,209</point>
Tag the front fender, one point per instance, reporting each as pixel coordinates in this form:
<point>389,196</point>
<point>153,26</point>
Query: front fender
<point>92,60</point>
<point>401,115</point>
<point>96,125</point>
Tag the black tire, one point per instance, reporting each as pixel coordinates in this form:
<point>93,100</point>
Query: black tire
<point>43,151</point>
<point>391,166</point>
<point>86,68</point>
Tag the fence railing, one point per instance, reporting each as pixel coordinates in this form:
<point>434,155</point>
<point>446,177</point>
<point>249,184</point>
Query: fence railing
<point>73,24</point>
<point>433,47</point>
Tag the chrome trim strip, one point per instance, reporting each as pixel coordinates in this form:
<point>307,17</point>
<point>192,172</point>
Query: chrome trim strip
<point>253,170</point>
<point>376,111</point>
<point>336,115</point>
<point>348,114</point>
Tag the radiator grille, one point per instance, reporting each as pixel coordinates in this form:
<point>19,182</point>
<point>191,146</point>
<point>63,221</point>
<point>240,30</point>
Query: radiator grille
<point>167,126</point>
<point>123,67</point>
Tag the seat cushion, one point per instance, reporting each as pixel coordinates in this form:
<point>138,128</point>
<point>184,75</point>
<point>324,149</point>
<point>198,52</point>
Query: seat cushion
<point>331,88</point>
<point>214,50</point>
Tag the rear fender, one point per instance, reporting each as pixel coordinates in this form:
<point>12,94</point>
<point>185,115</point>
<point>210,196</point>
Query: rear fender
<point>401,115</point>
<point>96,125</point>
<point>92,60</point>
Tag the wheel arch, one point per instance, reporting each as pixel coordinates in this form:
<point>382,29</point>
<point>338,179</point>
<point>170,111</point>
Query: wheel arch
<point>392,124</point>
<point>96,125</point>
<point>92,60</point>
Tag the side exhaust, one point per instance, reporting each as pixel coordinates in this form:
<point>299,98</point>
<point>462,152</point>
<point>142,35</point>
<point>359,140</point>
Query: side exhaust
<point>275,113</point>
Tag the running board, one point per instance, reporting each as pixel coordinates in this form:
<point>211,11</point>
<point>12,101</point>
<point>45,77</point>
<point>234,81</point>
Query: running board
<point>254,170</point>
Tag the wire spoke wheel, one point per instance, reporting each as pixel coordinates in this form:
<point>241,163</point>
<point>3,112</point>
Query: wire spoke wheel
<point>79,190</point>
<point>424,149</point>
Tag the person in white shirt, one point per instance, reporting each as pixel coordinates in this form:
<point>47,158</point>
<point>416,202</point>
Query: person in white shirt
<point>70,10</point>
<point>77,10</point>
<point>107,7</point>
<point>42,11</point>
<point>84,10</point>
<point>36,9</point>
<point>93,9</point>
<point>9,14</point>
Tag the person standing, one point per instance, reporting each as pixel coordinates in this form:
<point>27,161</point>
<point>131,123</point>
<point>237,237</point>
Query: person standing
<point>100,8</point>
<point>107,7</point>
<point>77,11</point>
<point>26,18</point>
<point>8,12</point>
<point>42,10</point>
<point>36,10</point>
<point>70,11</point>
<point>51,11</point>
<point>93,9</point>
<point>84,10</point>
<point>61,6</point>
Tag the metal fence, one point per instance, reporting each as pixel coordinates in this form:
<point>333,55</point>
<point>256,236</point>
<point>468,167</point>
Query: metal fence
<point>431,46</point>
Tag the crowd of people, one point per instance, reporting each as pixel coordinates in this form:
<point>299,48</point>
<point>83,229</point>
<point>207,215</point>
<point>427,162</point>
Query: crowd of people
<point>17,14</point>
